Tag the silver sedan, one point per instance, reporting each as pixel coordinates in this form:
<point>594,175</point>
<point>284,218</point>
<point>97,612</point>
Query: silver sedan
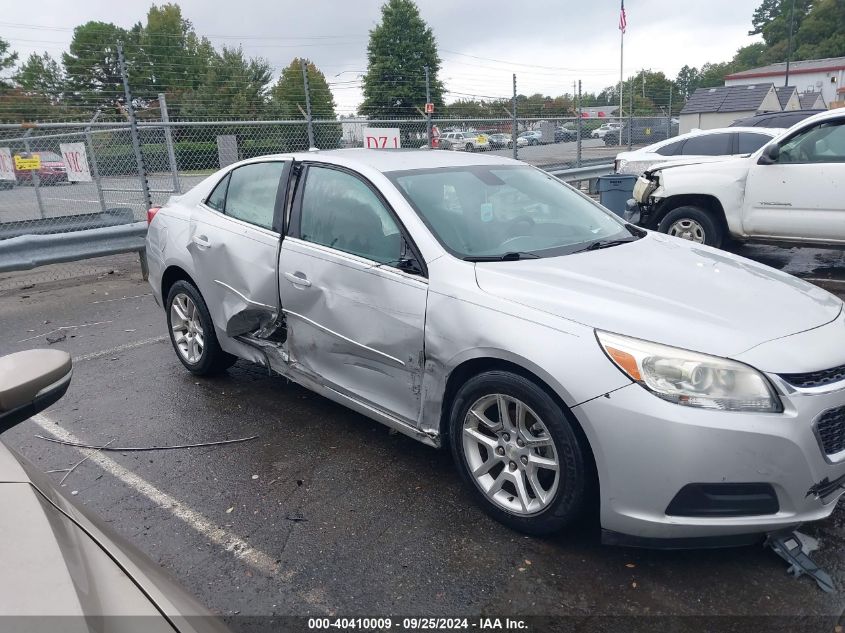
<point>563,356</point>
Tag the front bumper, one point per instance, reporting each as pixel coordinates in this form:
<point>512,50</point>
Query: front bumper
<point>648,449</point>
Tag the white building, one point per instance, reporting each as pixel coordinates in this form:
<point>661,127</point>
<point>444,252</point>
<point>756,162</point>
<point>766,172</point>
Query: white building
<point>709,108</point>
<point>826,76</point>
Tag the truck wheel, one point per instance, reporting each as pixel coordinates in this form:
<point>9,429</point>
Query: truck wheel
<point>694,224</point>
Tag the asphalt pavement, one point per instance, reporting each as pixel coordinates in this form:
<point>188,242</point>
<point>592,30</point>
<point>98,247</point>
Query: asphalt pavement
<point>329,513</point>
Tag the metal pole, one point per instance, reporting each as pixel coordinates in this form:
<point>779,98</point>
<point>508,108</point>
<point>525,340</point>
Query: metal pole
<point>513,122</point>
<point>669,121</point>
<point>789,46</point>
<point>307,103</point>
<point>578,129</point>
<point>133,129</point>
<point>621,66</point>
<point>168,139</point>
<point>427,100</point>
<point>95,169</point>
<point>36,179</point>
<point>630,120</point>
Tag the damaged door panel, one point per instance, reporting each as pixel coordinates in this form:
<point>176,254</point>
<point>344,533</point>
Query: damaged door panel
<point>234,242</point>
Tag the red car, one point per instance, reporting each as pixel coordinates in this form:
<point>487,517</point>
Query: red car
<point>52,170</point>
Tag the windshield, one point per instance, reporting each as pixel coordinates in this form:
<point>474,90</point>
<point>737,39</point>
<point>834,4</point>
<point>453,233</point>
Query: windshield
<point>492,211</point>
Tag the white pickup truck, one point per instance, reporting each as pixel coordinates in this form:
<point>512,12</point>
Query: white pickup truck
<point>790,191</point>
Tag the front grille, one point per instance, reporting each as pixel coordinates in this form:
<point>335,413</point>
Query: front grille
<point>816,378</point>
<point>831,430</point>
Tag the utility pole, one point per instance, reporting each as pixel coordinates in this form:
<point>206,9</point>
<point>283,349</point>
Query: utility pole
<point>513,123</point>
<point>307,103</point>
<point>789,46</point>
<point>427,113</point>
<point>669,121</point>
<point>578,130</point>
<point>133,128</point>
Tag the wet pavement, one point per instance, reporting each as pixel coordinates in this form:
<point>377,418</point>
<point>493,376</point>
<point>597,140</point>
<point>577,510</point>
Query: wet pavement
<point>341,516</point>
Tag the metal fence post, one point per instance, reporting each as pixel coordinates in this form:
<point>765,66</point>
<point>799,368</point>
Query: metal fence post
<point>136,146</point>
<point>427,113</point>
<point>36,179</point>
<point>168,139</point>
<point>513,125</point>
<point>669,119</point>
<point>95,169</point>
<point>630,120</point>
<point>578,129</point>
<point>307,103</point>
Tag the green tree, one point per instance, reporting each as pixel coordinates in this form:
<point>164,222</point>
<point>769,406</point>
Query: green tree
<point>400,47</point>
<point>287,101</point>
<point>91,63</point>
<point>822,32</point>
<point>687,81</point>
<point>42,75</point>
<point>7,61</point>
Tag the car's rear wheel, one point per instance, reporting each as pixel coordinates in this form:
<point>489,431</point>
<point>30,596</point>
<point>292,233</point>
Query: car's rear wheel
<point>694,224</point>
<point>192,331</point>
<point>468,147</point>
<point>518,453</point>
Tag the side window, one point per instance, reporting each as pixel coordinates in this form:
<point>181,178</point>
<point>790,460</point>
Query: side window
<point>340,211</point>
<point>671,149</point>
<point>218,197</point>
<point>251,195</point>
<point>822,143</point>
<point>708,145</point>
<point>749,142</point>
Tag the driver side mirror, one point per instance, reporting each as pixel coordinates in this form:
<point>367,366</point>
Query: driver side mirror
<point>770,155</point>
<point>31,381</point>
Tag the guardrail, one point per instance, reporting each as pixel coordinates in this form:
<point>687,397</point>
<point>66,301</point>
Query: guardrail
<point>23,247</point>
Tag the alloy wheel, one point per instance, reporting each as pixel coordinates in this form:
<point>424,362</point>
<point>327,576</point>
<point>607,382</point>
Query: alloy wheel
<point>687,229</point>
<point>188,335</point>
<point>510,454</point>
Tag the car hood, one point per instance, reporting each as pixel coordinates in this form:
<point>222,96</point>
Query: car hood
<point>666,290</point>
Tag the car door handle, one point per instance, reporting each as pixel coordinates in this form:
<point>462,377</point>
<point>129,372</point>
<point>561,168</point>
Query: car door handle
<point>201,241</point>
<point>298,279</point>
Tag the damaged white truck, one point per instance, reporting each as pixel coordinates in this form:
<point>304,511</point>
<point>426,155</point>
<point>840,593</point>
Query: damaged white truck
<point>791,191</point>
<point>568,359</point>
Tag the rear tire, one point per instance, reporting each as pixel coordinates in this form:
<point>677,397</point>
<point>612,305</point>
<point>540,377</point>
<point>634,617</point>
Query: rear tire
<point>194,339</point>
<point>543,452</point>
<point>694,224</point>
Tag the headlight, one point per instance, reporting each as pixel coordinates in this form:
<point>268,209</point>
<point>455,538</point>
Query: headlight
<point>689,378</point>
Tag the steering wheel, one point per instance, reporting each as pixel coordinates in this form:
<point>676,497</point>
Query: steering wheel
<point>520,219</point>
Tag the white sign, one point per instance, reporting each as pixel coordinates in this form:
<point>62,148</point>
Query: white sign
<point>381,137</point>
<point>76,162</point>
<point>7,167</point>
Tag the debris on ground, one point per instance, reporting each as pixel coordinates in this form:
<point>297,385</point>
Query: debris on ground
<point>296,518</point>
<point>56,337</point>
<point>106,447</point>
<point>795,547</point>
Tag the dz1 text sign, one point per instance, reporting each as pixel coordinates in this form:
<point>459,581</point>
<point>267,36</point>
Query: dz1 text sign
<point>7,167</point>
<point>76,162</point>
<point>27,163</point>
<point>381,138</point>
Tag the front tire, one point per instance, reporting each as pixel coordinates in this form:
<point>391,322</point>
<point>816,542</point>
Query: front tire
<point>192,332</point>
<point>518,453</point>
<point>694,224</point>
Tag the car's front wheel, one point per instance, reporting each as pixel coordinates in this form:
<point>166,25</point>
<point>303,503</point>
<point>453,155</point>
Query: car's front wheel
<point>694,224</point>
<point>518,453</point>
<point>192,331</point>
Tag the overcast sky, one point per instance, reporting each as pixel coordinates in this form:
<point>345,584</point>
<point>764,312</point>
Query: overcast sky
<point>548,43</point>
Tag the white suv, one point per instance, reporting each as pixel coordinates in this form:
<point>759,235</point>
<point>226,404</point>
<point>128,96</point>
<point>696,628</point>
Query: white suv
<point>468,141</point>
<point>789,191</point>
<point>610,126</point>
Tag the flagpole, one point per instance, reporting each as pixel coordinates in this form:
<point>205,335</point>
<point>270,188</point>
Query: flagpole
<point>621,72</point>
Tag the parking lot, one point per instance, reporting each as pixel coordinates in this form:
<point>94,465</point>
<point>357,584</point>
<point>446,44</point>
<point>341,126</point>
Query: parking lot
<point>326,512</point>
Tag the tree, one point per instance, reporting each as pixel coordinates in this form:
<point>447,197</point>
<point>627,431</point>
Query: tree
<point>822,32</point>
<point>41,75</point>
<point>91,63</point>
<point>687,81</point>
<point>400,48</point>
<point>7,61</point>
<point>287,97</point>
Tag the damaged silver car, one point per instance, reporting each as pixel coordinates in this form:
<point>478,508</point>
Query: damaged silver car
<point>563,355</point>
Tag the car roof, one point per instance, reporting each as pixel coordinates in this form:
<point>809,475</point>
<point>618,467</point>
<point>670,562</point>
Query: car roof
<point>388,160</point>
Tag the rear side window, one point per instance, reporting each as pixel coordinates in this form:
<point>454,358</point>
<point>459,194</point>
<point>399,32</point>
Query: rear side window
<point>708,145</point>
<point>217,199</point>
<point>251,195</point>
<point>749,142</point>
<point>671,149</point>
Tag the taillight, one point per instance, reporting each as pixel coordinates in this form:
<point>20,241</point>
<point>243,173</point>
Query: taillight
<point>151,213</point>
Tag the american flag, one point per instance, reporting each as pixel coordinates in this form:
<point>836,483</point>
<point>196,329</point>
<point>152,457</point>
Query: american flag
<point>623,20</point>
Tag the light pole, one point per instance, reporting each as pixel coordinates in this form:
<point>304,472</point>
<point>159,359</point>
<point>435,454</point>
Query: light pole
<point>789,45</point>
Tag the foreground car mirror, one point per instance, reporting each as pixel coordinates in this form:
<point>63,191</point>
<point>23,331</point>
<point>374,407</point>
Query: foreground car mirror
<point>30,382</point>
<point>770,155</point>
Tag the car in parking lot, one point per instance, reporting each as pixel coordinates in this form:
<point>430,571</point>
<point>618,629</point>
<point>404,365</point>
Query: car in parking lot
<point>63,569</point>
<point>715,142</point>
<point>467,141</point>
<point>532,137</point>
<point>565,133</point>
<point>51,172</point>
<point>605,128</point>
<point>787,192</point>
<point>563,355</point>
<point>498,140</point>
<point>782,120</point>
<point>521,141</point>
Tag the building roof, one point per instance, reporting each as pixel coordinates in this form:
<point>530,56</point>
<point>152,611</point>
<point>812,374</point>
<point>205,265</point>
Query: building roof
<point>797,68</point>
<point>808,100</point>
<point>785,94</point>
<point>728,99</point>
